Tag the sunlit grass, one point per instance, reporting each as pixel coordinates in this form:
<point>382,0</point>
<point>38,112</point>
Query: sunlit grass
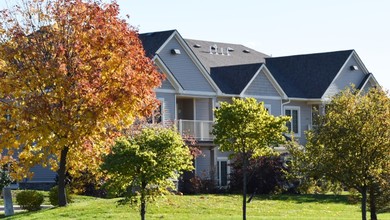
<point>210,207</point>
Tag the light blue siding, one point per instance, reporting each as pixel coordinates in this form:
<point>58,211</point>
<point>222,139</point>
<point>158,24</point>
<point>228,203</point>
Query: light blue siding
<point>167,85</point>
<point>203,109</point>
<point>42,174</point>
<point>203,164</point>
<point>274,104</point>
<point>169,106</point>
<point>184,69</point>
<point>261,86</point>
<point>222,154</point>
<point>345,79</point>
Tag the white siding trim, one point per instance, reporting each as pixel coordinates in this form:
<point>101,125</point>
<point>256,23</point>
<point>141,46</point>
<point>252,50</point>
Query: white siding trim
<point>358,60</point>
<point>157,60</point>
<point>262,97</point>
<point>175,107</point>
<point>198,93</point>
<point>165,90</point>
<point>334,79</point>
<point>250,81</point>
<point>275,83</point>
<point>304,99</point>
<point>371,78</point>
<point>166,42</point>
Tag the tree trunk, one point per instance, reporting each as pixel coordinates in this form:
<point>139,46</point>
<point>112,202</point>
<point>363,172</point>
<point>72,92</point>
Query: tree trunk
<point>372,204</point>
<point>62,200</point>
<point>8,205</point>
<point>244,185</point>
<point>364,202</point>
<point>143,200</point>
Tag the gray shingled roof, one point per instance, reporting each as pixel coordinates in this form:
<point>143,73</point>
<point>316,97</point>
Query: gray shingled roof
<point>309,75</point>
<point>154,40</point>
<point>300,76</point>
<point>237,57</point>
<point>233,79</point>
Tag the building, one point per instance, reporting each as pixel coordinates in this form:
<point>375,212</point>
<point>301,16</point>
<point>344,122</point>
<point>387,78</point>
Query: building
<point>200,74</point>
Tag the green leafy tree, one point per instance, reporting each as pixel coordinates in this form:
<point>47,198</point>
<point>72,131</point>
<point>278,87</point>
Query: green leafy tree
<point>142,166</point>
<point>246,127</point>
<point>351,144</point>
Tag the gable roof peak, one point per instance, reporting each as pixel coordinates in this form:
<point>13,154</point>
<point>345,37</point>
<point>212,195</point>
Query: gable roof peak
<point>153,41</point>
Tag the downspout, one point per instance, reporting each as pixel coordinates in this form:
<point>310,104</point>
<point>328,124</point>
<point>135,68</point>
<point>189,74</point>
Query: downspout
<point>283,104</point>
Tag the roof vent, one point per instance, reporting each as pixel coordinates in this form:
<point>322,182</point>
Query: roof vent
<point>175,51</point>
<point>353,67</point>
<point>197,46</point>
<point>246,51</point>
<point>215,47</point>
<point>230,49</point>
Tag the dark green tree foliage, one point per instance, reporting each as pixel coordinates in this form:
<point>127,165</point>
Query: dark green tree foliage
<point>246,127</point>
<point>142,166</point>
<point>5,179</point>
<point>351,145</point>
<point>266,174</point>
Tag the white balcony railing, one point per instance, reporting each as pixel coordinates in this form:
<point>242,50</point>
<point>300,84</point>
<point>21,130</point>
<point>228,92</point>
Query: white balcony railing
<point>198,129</point>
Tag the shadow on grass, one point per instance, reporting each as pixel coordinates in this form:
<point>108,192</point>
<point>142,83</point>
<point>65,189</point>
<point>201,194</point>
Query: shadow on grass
<point>343,199</point>
<point>25,213</point>
<point>309,198</point>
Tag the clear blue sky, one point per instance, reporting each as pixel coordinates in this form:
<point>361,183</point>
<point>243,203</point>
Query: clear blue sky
<point>276,27</point>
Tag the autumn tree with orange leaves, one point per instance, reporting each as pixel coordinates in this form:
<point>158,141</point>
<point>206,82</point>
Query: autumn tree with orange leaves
<point>72,75</point>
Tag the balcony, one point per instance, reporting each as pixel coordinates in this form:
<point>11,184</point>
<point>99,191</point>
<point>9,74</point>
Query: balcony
<point>198,129</point>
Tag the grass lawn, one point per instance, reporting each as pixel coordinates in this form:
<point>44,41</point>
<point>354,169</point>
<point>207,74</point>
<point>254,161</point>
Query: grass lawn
<point>209,207</point>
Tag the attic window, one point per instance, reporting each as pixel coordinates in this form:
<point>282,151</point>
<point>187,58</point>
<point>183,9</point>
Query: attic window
<point>246,51</point>
<point>353,67</point>
<point>197,46</point>
<point>230,49</point>
<point>175,51</point>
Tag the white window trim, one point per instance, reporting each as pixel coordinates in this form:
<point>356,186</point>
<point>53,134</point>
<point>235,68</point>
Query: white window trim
<point>220,159</point>
<point>299,118</point>
<point>268,106</point>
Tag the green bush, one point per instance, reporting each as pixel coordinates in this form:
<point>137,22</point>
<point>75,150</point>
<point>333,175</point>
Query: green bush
<point>53,196</point>
<point>30,200</point>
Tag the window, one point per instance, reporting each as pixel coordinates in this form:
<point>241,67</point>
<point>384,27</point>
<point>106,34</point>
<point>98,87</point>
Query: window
<point>223,171</point>
<point>158,114</point>
<point>293,124</point>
